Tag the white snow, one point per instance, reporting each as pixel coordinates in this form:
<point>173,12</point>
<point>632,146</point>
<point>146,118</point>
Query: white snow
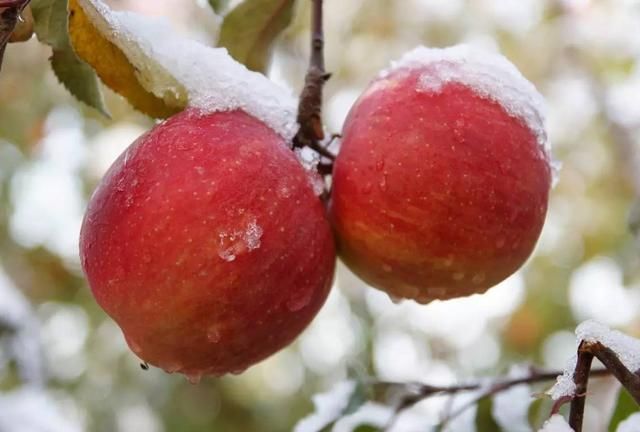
<point>173,68</point>
<point>489,74</point>
<point>631,424</point>
<point>328,407</point>
<point>556,423</point>
<point>626,348</point>
<point>564,386</point>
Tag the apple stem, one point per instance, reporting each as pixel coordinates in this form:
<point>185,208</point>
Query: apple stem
<point>311,131</point>
<point>9,12</point>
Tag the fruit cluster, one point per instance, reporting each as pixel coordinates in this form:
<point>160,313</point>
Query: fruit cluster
<point>207,244</point>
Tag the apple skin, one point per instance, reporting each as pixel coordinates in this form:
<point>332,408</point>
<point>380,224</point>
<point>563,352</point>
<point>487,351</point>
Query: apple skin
<point>436,195</point>
<point>206,244</point>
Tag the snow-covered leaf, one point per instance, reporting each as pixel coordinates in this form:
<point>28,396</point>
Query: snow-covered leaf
<point>50,20</point>
<point>161,72</point>
<point>249,30</point>
<point>120,63</point>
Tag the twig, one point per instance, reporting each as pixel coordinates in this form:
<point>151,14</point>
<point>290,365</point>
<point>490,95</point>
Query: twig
<point>581,379</point>
<point>311,131</point>
<point>419,392</point>
<point>630,380</point>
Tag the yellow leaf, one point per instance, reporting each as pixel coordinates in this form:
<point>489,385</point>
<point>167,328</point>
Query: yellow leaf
<point>93,41</point>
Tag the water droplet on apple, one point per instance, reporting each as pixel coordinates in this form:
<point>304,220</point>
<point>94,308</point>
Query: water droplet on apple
<point>367,188</point>
<point>239,370</point>
<point>379,165</point>
<point>135,347</point>
<point>200,170</point>
<point>458,276</point>
<point>387,268</point>
<point>171,367</point>
<point>213,334</point>
<point>500,243</point>
<point>383,182</point>
<point>478,278</point>
<point>394,299</point>
<point>299,301</point>
<point>194,378</point>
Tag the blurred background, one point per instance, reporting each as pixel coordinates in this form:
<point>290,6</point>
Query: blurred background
<point>64,365</point>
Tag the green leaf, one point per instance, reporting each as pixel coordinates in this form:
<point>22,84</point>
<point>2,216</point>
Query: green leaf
<point>367,428</point>
<point>249,30</point>
<point>624,408</point>
<point>484,417</point>
<point>539,411</point>
<point>50,25</point>
<point>218,5</point>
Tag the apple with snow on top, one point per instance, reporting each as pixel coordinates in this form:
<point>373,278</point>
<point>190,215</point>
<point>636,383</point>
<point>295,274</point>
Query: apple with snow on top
<point>441,186</point>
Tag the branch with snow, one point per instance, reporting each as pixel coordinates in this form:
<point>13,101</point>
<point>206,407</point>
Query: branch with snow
<point>619,353</point>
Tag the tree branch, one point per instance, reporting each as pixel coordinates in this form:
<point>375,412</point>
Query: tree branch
<point>311,131</point>
<point>581,379</point>
<point>630,380</point>
<point>418,392</point>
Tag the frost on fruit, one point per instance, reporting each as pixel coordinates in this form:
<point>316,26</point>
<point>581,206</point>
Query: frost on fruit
<point>556,423</point>
<point>489,74</point>
<point>182,71</point>
<point>236,241</point>
<point>626,348</point>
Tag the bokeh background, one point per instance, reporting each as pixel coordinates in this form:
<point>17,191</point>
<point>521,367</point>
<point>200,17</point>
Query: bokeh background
<point>64,365</point>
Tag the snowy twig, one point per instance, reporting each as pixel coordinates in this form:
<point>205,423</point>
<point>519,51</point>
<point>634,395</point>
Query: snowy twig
<point>418,392</point>
<point>311,131</point>
<point>629,380</point>
<point>581,379</point>
<point>9,12</point>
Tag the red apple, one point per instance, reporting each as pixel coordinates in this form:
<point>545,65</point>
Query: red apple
<point>206,244</point>
<point>440,188</point>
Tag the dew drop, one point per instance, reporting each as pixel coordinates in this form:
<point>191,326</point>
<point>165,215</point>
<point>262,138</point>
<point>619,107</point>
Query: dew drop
<point>367,188</point>
<point>239,370</point>
<point>387,268</point>
<point>298,302</point>
<point>213,334</point>
<point>478,278</point>
<point>194,378</point>
<point>500,243</point>
<point>395,299</point>
<point>135,347</point>
<point>380,165</point>
<point>383,182</point>
<point>172,367</point>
